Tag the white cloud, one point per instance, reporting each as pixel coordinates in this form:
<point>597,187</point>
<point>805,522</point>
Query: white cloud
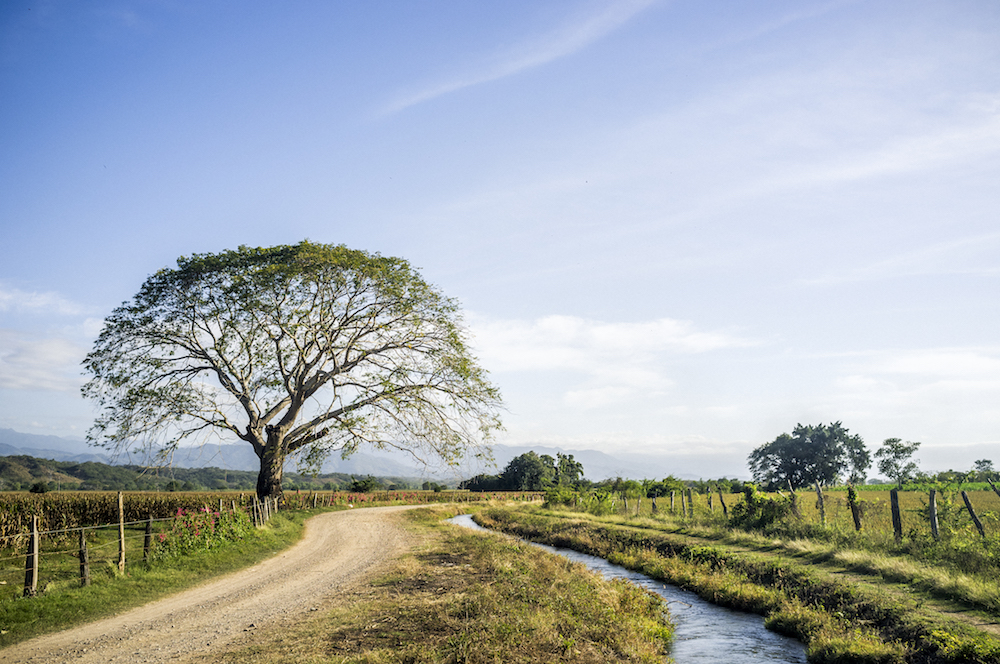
<point>13,299</point>
<point>559,43</point>
<point>561,343</point>
<point>613,362</point>
<point>31,363</point>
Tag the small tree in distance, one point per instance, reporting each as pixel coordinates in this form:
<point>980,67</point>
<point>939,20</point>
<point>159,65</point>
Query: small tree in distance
<point>303,349</point>
<point>894,460</point>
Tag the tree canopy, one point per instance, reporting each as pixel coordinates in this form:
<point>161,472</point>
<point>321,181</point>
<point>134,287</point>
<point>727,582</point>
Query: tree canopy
<point>820,453</point>
<point>530,472</point>
<point>301,349</point>
<point>894,460</point>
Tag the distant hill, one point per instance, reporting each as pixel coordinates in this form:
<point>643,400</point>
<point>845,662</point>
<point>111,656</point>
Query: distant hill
<point>240,457</point>
<point>20,472</point>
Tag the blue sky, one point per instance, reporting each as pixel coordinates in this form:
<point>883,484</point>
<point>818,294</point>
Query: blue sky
<point>675,227</point>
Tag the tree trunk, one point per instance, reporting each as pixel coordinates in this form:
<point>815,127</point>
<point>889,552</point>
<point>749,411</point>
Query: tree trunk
<point>272,465</point>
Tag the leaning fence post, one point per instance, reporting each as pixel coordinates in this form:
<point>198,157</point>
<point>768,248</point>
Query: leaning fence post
<point>972,513</point>
<point>852,500</point>
<point>84,559</point>
<point>795,501</point>
<point>121,532</point>
<point>722,501</point>
<point>993,486</point>
<point>31,562</point>
<point>820,504</point>
<point>897,521</point>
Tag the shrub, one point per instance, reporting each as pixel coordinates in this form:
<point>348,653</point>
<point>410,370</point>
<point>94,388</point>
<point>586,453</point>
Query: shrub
<point>757,510</point>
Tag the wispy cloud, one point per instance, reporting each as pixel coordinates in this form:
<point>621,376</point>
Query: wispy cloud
<point>612,360</point>
<point>559,43</point>
<point>31,363</point>
<point>958,256</point>
<point>13,299</point>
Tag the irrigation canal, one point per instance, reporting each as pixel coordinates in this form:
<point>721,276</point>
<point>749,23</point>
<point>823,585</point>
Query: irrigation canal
<point>704,632</point>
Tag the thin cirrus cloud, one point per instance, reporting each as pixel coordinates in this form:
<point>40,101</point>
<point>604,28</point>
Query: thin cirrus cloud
<point>559,43</point>
<point>967,255</point>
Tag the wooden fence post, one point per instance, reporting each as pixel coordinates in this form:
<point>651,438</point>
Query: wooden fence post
<point>711,506</point>
<point>84,559</point>
<point>993,486</point>
<point>31,562</point>
<point>932,508</point>
<point>820,504</point>
<point>121,532</point>
<point>722,501</point>
<point>795,501</point>
<point>691,503</point>
<point>897,521</point>
<point>972,513</point>
<point>671,502</point>
<point>147,541</point>
<point>852,500</point>
<point>653,508</point>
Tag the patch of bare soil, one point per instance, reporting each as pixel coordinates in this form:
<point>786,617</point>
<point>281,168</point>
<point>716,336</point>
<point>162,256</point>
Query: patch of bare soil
<point>339,551</point>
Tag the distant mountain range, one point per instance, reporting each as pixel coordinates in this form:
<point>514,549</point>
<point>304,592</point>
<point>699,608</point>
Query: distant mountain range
<point>240,456</point>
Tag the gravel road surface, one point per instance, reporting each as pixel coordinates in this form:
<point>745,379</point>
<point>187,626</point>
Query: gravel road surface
<point>339,551</point>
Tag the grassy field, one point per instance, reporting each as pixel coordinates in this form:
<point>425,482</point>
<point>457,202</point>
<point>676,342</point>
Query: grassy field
<point>875,602</point>
<point>469,597</point>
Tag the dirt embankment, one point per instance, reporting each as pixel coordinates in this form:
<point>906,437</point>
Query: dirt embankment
<point>339,551</point>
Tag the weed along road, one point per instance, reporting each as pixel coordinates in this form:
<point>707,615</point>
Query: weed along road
<point>339,551</point>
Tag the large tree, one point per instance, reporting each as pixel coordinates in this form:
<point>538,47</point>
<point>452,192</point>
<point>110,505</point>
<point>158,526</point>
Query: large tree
<point>820,453</point>
<point>304,349</point>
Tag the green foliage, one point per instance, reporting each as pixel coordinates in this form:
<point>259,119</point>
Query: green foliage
<point>202,530</point>
<point>757,510</point>
<point>39,487</point>
<point>366,485</point>
<point>306,349</point>
<point>894,460</point>
<point>529,472</point>
<point>810,454</point>
<point>561,495</point>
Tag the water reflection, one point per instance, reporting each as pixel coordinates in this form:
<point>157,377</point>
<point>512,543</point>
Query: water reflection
<point>704,632</point>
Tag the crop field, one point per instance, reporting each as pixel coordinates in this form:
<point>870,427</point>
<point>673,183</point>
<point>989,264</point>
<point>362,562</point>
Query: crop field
<point>179,521</point>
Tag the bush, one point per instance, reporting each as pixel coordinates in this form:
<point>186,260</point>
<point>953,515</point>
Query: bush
<point>757,510</point>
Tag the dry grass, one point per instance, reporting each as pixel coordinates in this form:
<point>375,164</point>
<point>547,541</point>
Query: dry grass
<point>469,597</point>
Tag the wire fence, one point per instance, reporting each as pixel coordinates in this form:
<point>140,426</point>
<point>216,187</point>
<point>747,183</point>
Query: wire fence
<point>69,536</point>
<point>70,553</point>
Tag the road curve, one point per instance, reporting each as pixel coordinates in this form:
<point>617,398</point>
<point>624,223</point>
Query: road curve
<point>338,551</point>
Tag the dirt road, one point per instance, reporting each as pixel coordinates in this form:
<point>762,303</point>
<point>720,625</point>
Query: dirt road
<point>339,551</point>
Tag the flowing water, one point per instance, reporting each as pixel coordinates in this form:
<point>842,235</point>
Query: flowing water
<point>704,632</point>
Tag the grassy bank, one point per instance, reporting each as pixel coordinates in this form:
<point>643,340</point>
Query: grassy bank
<point>469,597</point>
<point>843,612</point>
<point>64,604</point>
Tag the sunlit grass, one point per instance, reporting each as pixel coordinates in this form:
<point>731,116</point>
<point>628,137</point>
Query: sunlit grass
<point>470,597</point>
